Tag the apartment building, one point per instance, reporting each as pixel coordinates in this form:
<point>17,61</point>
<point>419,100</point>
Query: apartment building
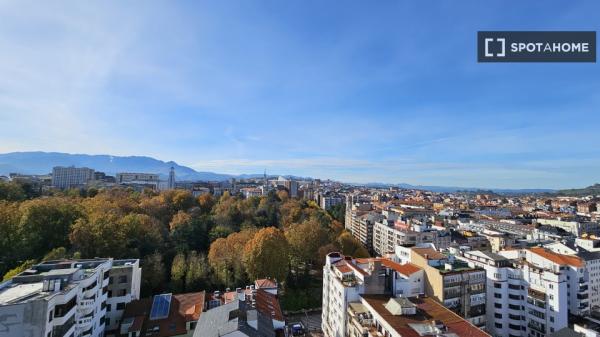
<point>592,266</point>
<point>345,279</point>
<point>453,283</point>
<point>57,298</point>
<point>362,228</point>
<point>124,281</point>
<point>71,177</point>
<point>536,288</point>
<point>329,201</point>
<point>378,297</point>
<point>149,180</point>
<point>387,235</point>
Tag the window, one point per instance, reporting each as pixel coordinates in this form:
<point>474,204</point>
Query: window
<point>107,321</point>
<point>110,280</point>
<point>552,319</point>
<point>123,279</point>
<point>497,285</point>
<point>497,315</point>
<point>498,325</point>
<point>50,315</point>
<point>107,307</point>
<point>498,305</point>
<point>121,306</point>
<point>122,292</point>
<point>496,295</point>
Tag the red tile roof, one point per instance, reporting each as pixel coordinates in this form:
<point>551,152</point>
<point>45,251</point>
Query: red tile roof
<point>265,283</point>
<point>559,259</point>
<point>184,308</point>
<point>428,310</point>
<point>268,304</point>
<point>406,269</point>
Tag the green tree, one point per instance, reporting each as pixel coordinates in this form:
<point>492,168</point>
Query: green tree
<point>179,269</point>
<point>45,224</point>
<point>17,270</point>
<point>197,273</point>
<point>153,276</point>
<point>56,254</point>
<point>11,191</point>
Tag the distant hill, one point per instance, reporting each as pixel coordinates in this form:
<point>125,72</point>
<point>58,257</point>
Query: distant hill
<point>453,189</point>
<point>42,163</point>
<point>581,192</point>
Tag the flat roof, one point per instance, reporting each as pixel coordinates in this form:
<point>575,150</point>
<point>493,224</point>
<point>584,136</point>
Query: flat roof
<point>20,291</point>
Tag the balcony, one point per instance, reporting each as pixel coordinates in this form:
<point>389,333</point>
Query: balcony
<point>537,327</point>
<point>583,296</point>
<point>64,316</point>
<point>86,305</point>
<point>85,322</point>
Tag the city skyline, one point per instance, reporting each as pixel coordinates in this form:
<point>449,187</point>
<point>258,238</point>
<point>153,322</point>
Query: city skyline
<point>350,93</point>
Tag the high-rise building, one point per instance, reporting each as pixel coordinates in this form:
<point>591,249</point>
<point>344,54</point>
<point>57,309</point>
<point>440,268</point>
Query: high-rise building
<point>171,178</point>
<point>58,298</point>
<point>71,177</point>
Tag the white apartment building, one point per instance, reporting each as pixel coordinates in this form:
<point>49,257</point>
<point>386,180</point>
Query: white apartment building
<point>386,236</point>
<point>532,291</point>
<point>57,298</point>
<point>124,280</point>
<point>69,177</point>
<point>345,280</point>
<point>377,297</point>
<point>144,179</point>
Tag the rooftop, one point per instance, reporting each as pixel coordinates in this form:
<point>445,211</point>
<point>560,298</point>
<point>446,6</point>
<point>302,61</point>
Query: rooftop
<point>559,259</point>
<point>183,308</point>
<point>429,253</point>
<point>428,312</point>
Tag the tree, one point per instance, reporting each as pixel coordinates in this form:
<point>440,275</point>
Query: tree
<point>178,271</point>
<point>206,203</point>
<point>266,254</point>
<point>224,257</point>
<point>10,250</point>
<point>190,231</point>
<point>153,275</point>
<point>11,191</point>
<point>304,240</point>
<point>56,254</point>
<point>350,246</point>
<point>45,224</point>
<point>338,212</point>
<point>219,232</point>
<point>197,273</point>
<point>17,270</point>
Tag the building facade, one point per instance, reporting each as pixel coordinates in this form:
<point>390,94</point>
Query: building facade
<point>57,298</point>
<point>71,177</point>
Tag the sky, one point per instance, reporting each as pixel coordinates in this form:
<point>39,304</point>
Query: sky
<point>357,91</point>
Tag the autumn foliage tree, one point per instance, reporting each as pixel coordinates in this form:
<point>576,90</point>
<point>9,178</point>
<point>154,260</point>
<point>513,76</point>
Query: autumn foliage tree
<point>266,255</point>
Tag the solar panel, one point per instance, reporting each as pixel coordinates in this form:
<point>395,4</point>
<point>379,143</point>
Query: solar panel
<point>160,306</point>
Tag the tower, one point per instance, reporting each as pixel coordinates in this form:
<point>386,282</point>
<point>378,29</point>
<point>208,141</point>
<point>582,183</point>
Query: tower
<point>172,178</point>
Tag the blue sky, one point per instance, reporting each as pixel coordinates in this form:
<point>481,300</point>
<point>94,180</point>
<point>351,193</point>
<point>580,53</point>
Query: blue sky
<point>386,91</point>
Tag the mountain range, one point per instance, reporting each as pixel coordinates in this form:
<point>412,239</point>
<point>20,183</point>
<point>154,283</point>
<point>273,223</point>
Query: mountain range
<point>43,162</point>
